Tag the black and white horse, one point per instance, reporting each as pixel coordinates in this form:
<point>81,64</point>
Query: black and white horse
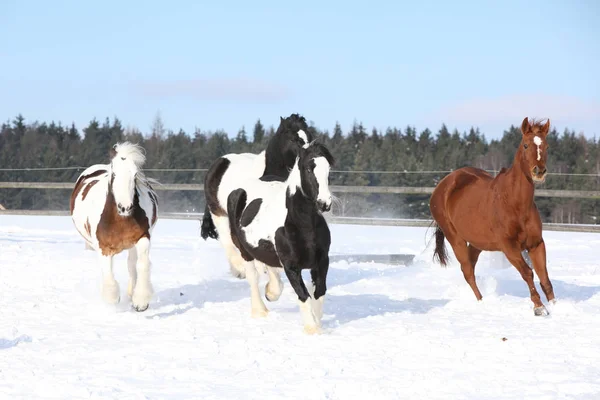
<point>281,225</point>
<point>232,171</point>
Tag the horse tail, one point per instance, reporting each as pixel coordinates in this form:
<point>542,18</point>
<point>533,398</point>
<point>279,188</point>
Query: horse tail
<point>236,202</point>
<point>208,228</point>
<point>440,252</point>
<point>212,180</point>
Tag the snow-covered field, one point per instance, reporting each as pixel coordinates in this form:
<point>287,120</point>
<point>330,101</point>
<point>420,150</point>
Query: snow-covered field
<point>390,332</point>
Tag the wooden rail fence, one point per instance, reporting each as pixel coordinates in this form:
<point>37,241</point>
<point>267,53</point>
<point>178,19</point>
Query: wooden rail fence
<point>586,194</point>
<point>582,194</point>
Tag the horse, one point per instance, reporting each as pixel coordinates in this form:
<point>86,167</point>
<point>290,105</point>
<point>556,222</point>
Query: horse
<point>233,170</point>
<point>114,208</point>
<point>281,225</point>
<point>476,212</point>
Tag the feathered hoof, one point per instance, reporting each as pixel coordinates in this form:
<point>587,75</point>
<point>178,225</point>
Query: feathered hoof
<point>312,329</point>
<point>237,274</point>
<point>140,307</point>
<point>110,293</point>
<point>540,311</point>
<point>259,313</point>
<point>141,299</point>
<point>273,291</point>
<point>271,296</point>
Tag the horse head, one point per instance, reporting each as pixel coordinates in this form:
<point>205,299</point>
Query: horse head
<point>314,164</point>
<point>125,164</point>
<point>291,136</point>
<point>534,148</point>
<point>295,131</point>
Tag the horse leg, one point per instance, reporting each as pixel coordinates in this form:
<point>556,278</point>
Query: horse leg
<point>467,256</point>
<point>236,262</point>
<point>258,306</point>
<point>513,254</point>
<point>538,259</point>
<point>110,287</point>
<point>274,287</point>
<point>319,286</point>
<point>131,261</point>
<point>294,275</point>
<point>142,291</point>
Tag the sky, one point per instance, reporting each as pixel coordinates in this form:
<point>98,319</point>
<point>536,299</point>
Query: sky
<point>223,65</point>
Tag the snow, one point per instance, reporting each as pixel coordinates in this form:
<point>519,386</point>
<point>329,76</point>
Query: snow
<point>390,331</point>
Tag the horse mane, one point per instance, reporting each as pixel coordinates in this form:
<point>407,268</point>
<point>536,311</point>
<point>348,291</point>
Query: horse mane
<point>316,149</point>
<point>136,153</point>
<point>282,148</point>
<point>294,119</point>
<point>133,151</point>
<point>537,122</point>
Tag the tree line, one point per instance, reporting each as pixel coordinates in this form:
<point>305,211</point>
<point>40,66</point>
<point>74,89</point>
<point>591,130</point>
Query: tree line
<point>394,157</point>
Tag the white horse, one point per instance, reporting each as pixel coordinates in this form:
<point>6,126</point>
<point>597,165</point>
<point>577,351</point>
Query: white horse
<point>115,208</point>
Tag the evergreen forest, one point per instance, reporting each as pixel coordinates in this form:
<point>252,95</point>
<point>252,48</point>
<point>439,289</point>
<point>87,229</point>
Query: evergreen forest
<point>399,156</point>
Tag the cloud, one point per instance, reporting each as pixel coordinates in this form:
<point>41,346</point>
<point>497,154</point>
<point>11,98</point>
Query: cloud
<point>512,109</point>
<point>239,89</point>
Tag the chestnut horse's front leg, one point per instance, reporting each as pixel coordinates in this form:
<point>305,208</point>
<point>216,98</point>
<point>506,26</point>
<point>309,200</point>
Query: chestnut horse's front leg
<point>538,259</point>
<point>513,253</point>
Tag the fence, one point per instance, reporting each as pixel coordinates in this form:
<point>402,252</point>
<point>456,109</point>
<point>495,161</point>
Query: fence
<point>583,194</point>
<point>332,219</point>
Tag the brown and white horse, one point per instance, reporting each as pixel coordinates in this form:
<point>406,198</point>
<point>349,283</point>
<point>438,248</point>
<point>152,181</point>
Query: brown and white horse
<point>114,208</point>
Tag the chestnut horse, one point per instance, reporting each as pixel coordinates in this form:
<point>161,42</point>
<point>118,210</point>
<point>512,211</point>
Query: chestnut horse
<point>475,211</point>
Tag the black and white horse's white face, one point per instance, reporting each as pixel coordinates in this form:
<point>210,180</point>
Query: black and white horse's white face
<point>314,164</point>
<point>124,166</point>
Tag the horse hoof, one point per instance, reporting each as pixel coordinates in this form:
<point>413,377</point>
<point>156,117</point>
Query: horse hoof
<point>111,295</point>
<point>540,311</point>
<point>272,297</point>
<point>553,301</point>
<point>312,329</point>
<point>141,308</point>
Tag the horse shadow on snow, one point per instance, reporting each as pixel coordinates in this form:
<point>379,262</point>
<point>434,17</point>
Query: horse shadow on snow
<point>8,343</point>
<point>348,308</point>
<point>353,307</point>
<point>188,297</point>
<point>562,290</point>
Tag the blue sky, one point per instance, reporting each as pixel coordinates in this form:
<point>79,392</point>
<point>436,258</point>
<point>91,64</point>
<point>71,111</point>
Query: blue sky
<point>221,65</point>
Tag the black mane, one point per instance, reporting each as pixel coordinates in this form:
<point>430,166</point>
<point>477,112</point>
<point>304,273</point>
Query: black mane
<point>318,150</point>
<point>285,145</point>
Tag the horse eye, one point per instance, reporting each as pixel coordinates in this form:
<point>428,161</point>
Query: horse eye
<point>123,158</point>
<point>525,145</point>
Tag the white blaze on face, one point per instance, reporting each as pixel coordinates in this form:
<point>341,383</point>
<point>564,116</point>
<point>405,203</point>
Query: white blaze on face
<point>538,142</point>
<point>322,174</point>
<point>124,181</point>
<point>302,135</point>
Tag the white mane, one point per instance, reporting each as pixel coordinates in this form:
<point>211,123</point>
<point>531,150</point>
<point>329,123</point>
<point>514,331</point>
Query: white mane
<point>132,151</point>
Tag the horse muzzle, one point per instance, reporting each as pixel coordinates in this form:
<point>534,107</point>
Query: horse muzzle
<point>124,211</point>
<point>324,206</point>
<point>538,174</point>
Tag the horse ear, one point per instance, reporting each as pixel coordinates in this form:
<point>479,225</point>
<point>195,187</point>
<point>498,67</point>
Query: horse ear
<point>546,127</point>
<point>112,152</point>
<point>525,127</point>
